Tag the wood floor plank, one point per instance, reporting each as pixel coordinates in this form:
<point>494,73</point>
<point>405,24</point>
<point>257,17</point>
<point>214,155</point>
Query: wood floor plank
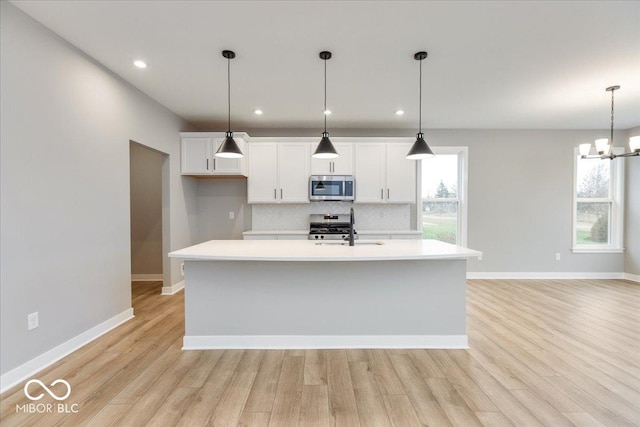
<point>172,408</point>
<point>254,419</point>
<point>315,367</point>
<point>401,411</point>
<point>371,407</point>
<point>583,419</point>
<point>501,397</point>
<point>229,408</point>
<point>493,419</point>
<point>201,408</point>
<point>314,411</point>
<point>453,405</point>
<point>288,399</point>
<point>263,392</point>
<point>542,410</point>
<point>342,401</point>
<point>424,402</point>
<point>473,395</point>
<point>382,368</point>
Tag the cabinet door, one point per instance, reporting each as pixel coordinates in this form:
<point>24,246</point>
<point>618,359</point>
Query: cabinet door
<point>294,160</point>
<point>222,166</point>
<point>341,165</point>
<point>370,173</point>
<point>195,156</point>
<point>263,170</point>
<point>401,174</point>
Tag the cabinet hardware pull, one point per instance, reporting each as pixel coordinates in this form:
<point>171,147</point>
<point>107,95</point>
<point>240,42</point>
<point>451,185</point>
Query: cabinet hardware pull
<point>388,193</point>
<point>381,193</point>
<point>214,164</point>
<point>275,195</point>
<point>207,164</point>
<point>281,193</point>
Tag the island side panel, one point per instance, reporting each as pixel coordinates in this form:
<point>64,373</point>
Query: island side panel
<point>258,304</point>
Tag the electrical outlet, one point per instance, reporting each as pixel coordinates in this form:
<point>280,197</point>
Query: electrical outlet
<point>32,321</point>
<point>182,269</point>
<point>232,215</point>
<point>558,256</point>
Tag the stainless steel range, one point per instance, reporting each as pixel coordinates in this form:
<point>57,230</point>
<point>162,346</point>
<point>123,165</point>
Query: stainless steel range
<point>329,227</point>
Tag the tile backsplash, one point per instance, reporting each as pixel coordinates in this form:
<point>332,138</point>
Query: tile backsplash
<point>296,216</point>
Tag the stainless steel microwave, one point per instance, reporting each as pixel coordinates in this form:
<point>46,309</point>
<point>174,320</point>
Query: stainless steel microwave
<point>331,187</point>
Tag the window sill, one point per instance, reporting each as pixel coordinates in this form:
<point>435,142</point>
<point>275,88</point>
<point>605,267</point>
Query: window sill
<point>597,250</point>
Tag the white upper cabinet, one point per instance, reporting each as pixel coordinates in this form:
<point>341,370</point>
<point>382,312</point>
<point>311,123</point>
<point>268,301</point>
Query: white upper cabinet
<point>401,174</point>
<point>279,172</point>
<point>383,174</point>
<point>293,167</point>
<point>341,165</point>
<point>198,155</point>
<point>370,172</point>
<point>262,182</point>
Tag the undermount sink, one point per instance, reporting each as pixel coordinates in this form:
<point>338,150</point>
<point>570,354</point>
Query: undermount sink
<point>347,243</point>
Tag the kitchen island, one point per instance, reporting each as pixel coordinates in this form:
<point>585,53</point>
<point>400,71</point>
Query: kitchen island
<point>301,294</point>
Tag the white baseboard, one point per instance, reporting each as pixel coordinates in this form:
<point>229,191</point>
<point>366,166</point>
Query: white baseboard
<point>146,277</point>
<point>170,290</point>
<point>632,277</point>
<point>216,342</point>
<point>37,364</point>
<point>542,275</point>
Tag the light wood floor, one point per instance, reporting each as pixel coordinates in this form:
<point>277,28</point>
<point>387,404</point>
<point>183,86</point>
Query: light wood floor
<point>543,352</point>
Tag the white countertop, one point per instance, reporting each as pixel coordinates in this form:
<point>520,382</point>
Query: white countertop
<point>308,250</point>
<point>269,232</point>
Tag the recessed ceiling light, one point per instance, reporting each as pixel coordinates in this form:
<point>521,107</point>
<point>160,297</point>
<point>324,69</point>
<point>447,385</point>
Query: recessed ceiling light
<point>140,63</point>
<point>257,112</point>
<point>327,112</point>
<point>399,112</point>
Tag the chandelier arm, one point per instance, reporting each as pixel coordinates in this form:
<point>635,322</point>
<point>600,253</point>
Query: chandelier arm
<point>611,144</point>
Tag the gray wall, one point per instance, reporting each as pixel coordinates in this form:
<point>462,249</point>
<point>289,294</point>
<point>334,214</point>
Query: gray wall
<point>145,172</point>
<point>632,211</point>
<point>216,198</point>
<point>64,188</point>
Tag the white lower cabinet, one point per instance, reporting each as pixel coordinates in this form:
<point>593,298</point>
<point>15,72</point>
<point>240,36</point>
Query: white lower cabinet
<point>279,172</point>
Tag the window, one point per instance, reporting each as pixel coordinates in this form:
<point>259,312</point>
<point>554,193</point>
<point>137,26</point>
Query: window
<point>443,207</point>
<point>597,205</point>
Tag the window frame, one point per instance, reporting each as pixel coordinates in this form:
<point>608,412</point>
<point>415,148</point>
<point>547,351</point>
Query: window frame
<point>462,196</point>
<point>616,199</point>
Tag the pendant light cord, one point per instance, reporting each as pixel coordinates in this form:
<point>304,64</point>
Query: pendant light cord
<point>325,96</point>
<point>229,93</point>
<point>420,109</point>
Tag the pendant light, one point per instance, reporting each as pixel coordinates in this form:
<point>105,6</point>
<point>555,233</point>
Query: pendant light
<point>420,150</point>
<point>325,149</point>
<point>229,148</point>
<point>604,146</point>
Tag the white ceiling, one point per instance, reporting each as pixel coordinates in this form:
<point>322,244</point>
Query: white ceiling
<point>500,64</point>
